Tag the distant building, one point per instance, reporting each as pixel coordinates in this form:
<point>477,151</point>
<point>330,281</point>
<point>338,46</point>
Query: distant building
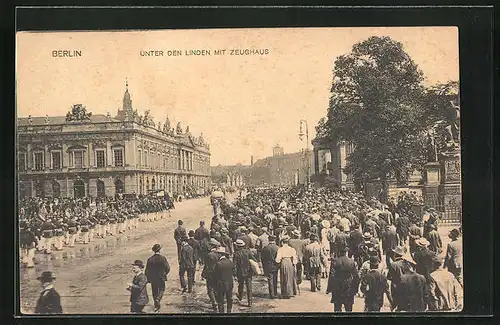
<point>277,150</point>
<point>84,155</point>
<point>281,168</point>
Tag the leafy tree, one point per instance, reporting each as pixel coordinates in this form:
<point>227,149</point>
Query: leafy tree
<point>377,105</point>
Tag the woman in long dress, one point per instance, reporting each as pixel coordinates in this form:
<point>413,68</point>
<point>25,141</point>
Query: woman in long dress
<point>287,258</point>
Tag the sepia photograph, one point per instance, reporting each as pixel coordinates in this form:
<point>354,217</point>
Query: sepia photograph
<point>244,170</point>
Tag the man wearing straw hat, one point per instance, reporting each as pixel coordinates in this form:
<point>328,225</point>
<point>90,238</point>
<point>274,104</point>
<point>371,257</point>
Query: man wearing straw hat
<point>423,258</point>
<point>300,246</point>
<point>223,278</point>
<point>413,289</point>
<point>397,268</point>
<point>49,301</point>
<point>244,272</point>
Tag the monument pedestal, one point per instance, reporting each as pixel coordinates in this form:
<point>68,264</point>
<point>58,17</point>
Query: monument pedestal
<point>432,177</point>
<point>452,190</point>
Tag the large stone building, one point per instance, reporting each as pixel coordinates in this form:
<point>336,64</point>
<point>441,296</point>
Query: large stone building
<point>283,168</point>
<point>81,154</point>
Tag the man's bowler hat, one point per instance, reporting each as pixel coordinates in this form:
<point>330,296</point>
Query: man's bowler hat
<point>156,248</point>
<point>46,276</point>
<point>138,263</point>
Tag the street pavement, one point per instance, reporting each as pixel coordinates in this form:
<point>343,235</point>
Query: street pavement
<point>92,279</point>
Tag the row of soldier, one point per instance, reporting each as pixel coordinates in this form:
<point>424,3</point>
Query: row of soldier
<point>52,224</point>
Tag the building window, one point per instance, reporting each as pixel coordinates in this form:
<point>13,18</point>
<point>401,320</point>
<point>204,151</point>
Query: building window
<point>145,158</point>
<point>22,162</point>
<point>118,155</point>
<point>38,159</point>
<point>78,159</point>
<point>140,157</point>
<point>100,159</point>
<point>56,160</point>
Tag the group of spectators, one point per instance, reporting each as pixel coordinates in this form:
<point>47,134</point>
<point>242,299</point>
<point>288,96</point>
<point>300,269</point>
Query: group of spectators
<point>362,247</point>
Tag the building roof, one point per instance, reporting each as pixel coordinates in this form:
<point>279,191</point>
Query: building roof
<point>56,120</point>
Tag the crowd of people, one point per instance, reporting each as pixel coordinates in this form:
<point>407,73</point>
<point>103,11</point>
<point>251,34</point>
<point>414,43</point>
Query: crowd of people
<point>48,224</point>
<point>360,247</point>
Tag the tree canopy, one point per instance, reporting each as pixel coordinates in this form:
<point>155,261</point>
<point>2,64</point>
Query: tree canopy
<point>379,104</point>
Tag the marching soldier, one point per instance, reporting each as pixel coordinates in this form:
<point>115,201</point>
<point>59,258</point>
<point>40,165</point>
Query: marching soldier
<point>48,234</point>
<point>112,223</point>
<point>85,224</point>
<point>72,230</point>
<point>92,225</point>
<point>58,234</point>
<point>28,244</point>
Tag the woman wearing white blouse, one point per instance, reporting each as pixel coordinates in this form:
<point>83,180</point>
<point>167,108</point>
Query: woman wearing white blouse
<point>287,258</point>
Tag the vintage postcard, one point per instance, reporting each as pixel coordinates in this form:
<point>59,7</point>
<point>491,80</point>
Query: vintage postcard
<point>272,170</point>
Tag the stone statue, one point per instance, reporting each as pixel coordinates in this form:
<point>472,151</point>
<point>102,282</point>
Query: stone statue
<point>431,147</point>
<point>179,128</point>
<point>108,116</point>
<point>187,129</point>
<point>30,120</point>
<point>454,127</point>
<point>159,126</point>
<point>167,125</point>
<point>46,119</point>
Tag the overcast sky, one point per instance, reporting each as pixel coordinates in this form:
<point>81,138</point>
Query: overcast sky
<point>244,105</point>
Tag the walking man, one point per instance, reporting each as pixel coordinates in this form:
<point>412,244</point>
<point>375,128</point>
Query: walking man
<point>242,270</point>
<point>373,285</point>
<point>268,258</point>
<point>314,258</point>
<point>223,277</point>
<point>208,271</point>
<point>49,301</point>
<point>343,282</point>
<point>453,259</point>
<point>186,265</point>
<point>179,233</point>
<point>138,292</point>
<point>157,269</point>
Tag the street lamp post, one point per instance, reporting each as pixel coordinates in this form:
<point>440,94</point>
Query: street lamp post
<point>301,137</point>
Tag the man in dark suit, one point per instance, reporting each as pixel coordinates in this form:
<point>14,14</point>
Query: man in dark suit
<point>423,258</point>
<point>196,248</point>
<point>268,258</point>
<point>397,268</point>
<point>208,271</point>
<point>186,265</point>
<point>355,241</point>
<point>49,301</point>
<point>300,246</point>
<point>138,292</point>
<point>179,233</point>
<point>389,242</point>
<point>414,290</point>
<point>223,277</point>
<point>202,235</point>
<point>242,270</point>
<point>374,284</point>
<point>343,282</point>
<point>403,229</point>
<point>157,269</point>
<point>245,238</point>
<point>453,258</point>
